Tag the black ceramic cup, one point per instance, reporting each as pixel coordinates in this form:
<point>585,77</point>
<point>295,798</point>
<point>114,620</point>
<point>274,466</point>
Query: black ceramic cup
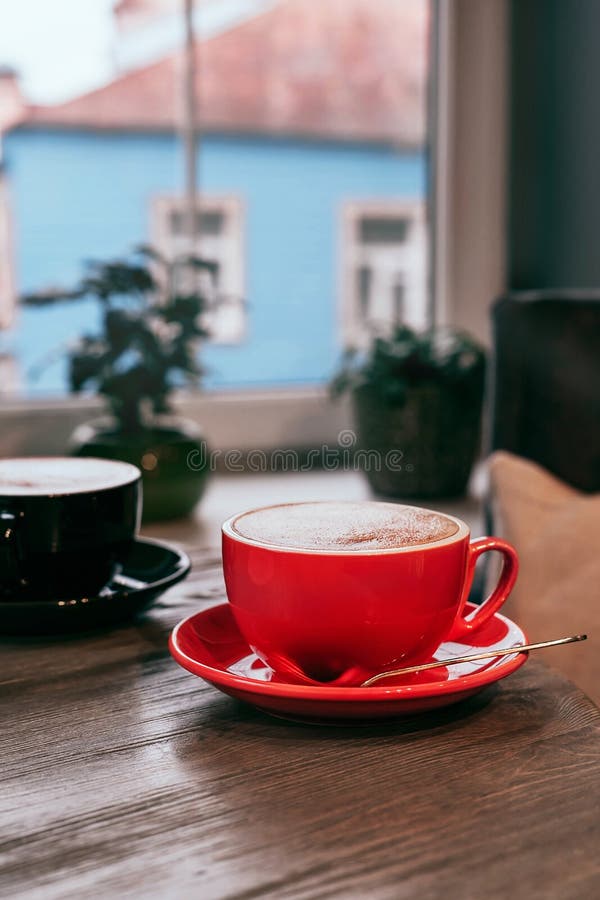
<point>64,525</point>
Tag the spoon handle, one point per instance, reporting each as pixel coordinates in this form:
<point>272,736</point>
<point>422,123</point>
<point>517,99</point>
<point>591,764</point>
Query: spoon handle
<point>488,654</point>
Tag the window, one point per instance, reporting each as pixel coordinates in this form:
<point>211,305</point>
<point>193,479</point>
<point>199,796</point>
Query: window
<point>383,268</point>
<point>219,227</point>
<point>311,126</point>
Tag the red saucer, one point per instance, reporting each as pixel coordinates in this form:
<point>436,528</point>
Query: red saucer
<point>209,644</point>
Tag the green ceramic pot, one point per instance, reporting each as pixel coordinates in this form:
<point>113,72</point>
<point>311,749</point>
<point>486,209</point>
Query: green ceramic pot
<point>172,456</point>
<point>426,447</point>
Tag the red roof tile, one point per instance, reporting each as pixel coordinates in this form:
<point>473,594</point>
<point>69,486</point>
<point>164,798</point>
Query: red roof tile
<point>346,69</point>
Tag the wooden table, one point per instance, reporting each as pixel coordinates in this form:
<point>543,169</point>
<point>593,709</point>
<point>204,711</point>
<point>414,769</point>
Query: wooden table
<point>124,776</point>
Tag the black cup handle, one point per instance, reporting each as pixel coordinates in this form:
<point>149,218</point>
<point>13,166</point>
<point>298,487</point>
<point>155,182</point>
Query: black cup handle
<point>9,551</point>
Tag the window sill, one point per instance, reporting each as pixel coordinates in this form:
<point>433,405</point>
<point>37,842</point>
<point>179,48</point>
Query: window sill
<point>276,418</point>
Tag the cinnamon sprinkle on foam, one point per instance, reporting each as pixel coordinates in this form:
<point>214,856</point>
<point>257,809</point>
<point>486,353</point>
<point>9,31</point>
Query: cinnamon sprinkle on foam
<point>344,526</point>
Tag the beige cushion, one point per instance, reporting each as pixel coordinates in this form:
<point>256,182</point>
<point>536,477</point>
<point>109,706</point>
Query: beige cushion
<point>556,531</point>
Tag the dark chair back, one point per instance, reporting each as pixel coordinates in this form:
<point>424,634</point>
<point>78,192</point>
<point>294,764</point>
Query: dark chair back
<point>546,382</point>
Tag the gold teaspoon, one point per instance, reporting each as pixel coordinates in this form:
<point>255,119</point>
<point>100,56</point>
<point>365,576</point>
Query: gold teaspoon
<point>488,654</point>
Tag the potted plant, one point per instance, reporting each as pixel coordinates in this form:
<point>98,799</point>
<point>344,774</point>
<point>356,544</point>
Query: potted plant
<point>152,313</point>
<point>417,400</point>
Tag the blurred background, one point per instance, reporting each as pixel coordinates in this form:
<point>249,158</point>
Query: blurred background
<point>311,138</point>
<point>347,170</point>
<point>361,231</point>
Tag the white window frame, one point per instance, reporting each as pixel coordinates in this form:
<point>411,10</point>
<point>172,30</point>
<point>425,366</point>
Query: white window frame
<point>8,299</point>
<point>351,331</point>
<point>469,162</point>
<point>469,158</point>
<point>228,323</point>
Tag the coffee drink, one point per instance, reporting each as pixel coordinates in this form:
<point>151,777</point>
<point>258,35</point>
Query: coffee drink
<point>65,524</point>
<point>58,475</point>
<point>344,526</point>
<point>340,591</point>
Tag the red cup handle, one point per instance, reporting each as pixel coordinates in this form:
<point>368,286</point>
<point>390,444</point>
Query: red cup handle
<point>464,627</point>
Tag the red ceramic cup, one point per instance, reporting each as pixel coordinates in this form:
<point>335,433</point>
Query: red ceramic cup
<point>345,615</point>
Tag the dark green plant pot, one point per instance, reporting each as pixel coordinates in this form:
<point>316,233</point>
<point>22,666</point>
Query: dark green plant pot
<point>424,448</point>
<point>172,456</point>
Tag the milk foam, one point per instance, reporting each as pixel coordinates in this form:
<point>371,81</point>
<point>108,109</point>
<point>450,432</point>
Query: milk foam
<point>344,526</point>
<point>62,475</point>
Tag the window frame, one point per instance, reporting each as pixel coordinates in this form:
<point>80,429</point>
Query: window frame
<point>8,294</point>
<point>469,131</point>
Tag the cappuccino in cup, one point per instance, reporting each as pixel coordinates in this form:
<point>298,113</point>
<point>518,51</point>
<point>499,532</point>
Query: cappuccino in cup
<point>61,475</point>
<point>65,523</point>
<point>340,591</point>
<point>344,526</point>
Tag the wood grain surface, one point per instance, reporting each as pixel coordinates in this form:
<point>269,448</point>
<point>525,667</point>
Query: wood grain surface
<point>124,776</point>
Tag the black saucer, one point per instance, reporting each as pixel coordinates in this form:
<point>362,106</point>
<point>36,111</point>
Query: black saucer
<point>149,568</point>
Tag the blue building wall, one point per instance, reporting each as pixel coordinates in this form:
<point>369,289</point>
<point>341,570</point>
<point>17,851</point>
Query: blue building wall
<point>79,195</point>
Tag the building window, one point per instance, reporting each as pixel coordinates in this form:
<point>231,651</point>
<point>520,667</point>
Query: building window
<point>219,226</point>
<point>383,283</point>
